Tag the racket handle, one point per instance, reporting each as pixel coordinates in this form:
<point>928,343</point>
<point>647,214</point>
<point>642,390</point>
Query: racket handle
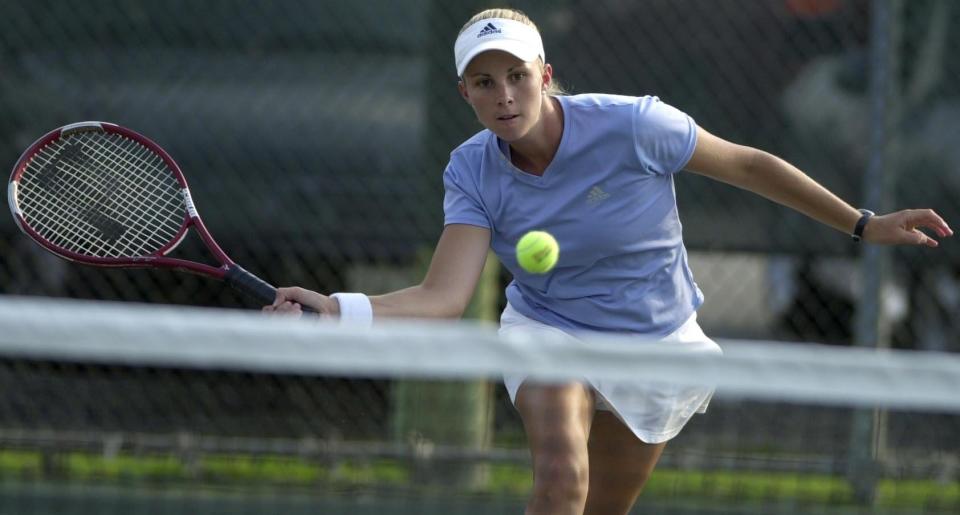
<point>244,281</point>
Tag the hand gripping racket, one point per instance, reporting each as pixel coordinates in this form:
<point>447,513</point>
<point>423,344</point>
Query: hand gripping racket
<point>103,195</point>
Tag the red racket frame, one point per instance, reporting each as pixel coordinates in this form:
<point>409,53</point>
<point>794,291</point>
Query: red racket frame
<point>228,270</point>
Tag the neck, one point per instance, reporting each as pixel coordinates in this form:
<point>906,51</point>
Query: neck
<point>534,152</point>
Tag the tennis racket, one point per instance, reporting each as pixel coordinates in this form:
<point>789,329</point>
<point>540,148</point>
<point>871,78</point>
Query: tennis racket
<point>103,195</point>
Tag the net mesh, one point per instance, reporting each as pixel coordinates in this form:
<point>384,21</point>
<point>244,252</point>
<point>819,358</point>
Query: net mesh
<point>110,408</point>
<point>102,195</point>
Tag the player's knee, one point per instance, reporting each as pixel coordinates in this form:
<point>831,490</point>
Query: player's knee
<point>561,478</point>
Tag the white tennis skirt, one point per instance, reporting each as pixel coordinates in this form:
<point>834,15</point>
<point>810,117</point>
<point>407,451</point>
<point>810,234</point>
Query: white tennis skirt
<point>655,412</point>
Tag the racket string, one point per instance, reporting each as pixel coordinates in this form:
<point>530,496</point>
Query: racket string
<point>63,225</point>
<point>155,201</point>
<point>103,195</point>
<point>153,207</point>
<point>70,201</point>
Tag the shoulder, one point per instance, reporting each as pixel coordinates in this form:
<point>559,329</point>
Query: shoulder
<point>652,109</point>
<point>599,115</point>
<point>642,106</point>
<point>603,110</point>
<point>597,102</point>
<point>467,160</point>
<point>473,147</point>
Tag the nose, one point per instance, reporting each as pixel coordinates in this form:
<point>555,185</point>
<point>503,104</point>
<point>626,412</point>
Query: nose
<point>505,95</point>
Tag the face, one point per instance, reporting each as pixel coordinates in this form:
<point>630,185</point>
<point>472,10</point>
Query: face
<point>505,92</point>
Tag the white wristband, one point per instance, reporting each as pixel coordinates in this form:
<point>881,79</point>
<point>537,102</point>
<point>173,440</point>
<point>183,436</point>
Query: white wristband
<point>355,308</point>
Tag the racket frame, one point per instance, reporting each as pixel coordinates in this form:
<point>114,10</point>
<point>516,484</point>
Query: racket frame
<point>228,270</point>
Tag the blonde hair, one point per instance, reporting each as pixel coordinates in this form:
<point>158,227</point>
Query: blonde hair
<point>516,15</point>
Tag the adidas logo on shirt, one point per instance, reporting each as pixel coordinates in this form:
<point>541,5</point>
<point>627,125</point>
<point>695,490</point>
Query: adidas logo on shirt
<point>488,29</point>
<point>596,195</point>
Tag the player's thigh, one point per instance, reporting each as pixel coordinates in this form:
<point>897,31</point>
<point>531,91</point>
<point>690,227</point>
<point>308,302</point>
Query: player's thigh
<point>556,417</point>
<point>620,464</point>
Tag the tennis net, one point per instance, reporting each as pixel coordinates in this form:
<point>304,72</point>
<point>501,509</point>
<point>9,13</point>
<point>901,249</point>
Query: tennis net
<point>120,408</point>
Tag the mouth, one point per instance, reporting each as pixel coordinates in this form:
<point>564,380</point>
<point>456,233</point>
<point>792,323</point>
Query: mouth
<point>507,117</point>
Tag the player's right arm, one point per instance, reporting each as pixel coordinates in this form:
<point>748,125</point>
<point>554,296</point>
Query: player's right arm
<point>444,292</point>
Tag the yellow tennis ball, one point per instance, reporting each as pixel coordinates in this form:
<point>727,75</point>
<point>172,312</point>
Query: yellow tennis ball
<point>537,252</point>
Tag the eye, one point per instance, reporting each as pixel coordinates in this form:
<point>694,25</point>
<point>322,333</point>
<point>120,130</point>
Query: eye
<point>518,76</point>
<point>483,83</point>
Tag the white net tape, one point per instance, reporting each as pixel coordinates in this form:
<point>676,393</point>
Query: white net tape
<point>249,341</point>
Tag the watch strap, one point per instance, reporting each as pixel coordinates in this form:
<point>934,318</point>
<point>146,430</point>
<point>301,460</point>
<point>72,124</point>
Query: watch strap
<point>865,215</point>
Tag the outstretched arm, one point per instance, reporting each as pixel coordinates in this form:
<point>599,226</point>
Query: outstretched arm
<point>778,180</point>
<point>444,293</point>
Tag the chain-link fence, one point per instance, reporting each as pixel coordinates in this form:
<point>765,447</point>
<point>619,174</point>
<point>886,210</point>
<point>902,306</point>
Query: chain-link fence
<point>314,134</point>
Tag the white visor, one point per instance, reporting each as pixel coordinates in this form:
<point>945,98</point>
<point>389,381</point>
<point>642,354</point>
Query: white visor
<point>519,39</point>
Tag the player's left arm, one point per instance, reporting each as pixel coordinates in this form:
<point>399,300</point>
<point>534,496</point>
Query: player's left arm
<point>776,179</point>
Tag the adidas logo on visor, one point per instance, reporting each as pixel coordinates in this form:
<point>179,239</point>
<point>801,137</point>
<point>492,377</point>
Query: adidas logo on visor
<point>489,29</point>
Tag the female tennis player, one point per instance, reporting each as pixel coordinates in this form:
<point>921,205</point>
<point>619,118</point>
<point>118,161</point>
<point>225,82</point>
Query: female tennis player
<point>596,171</point>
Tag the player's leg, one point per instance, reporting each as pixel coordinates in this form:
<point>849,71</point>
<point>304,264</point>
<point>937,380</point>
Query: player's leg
<point>620,464</point>
<point>557,422</point>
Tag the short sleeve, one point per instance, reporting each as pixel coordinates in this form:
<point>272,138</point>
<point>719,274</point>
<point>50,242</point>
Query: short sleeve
<point>461,200</point>
<point>665,137</point>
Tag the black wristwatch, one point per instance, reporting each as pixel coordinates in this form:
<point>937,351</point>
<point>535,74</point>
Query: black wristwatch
<point>861,223</point>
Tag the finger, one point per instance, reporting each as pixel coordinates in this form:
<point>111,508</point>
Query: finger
<point>289,306</point>
<point>275,311</point>
<point>294,294</point>
<point>930,219</point>
<point>295,310</point>
<point>284,295</point>
<point>941,230</point>
<point>938,224</point>
<point>922,239</point>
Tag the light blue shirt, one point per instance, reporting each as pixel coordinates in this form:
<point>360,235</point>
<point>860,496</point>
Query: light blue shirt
<point>607,197</point>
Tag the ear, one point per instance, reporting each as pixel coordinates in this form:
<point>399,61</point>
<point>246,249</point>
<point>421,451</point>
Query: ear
<point>547,77</point>
<point>462,88</point>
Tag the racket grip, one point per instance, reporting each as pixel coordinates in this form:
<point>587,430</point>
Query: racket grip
<point>244,281</point>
